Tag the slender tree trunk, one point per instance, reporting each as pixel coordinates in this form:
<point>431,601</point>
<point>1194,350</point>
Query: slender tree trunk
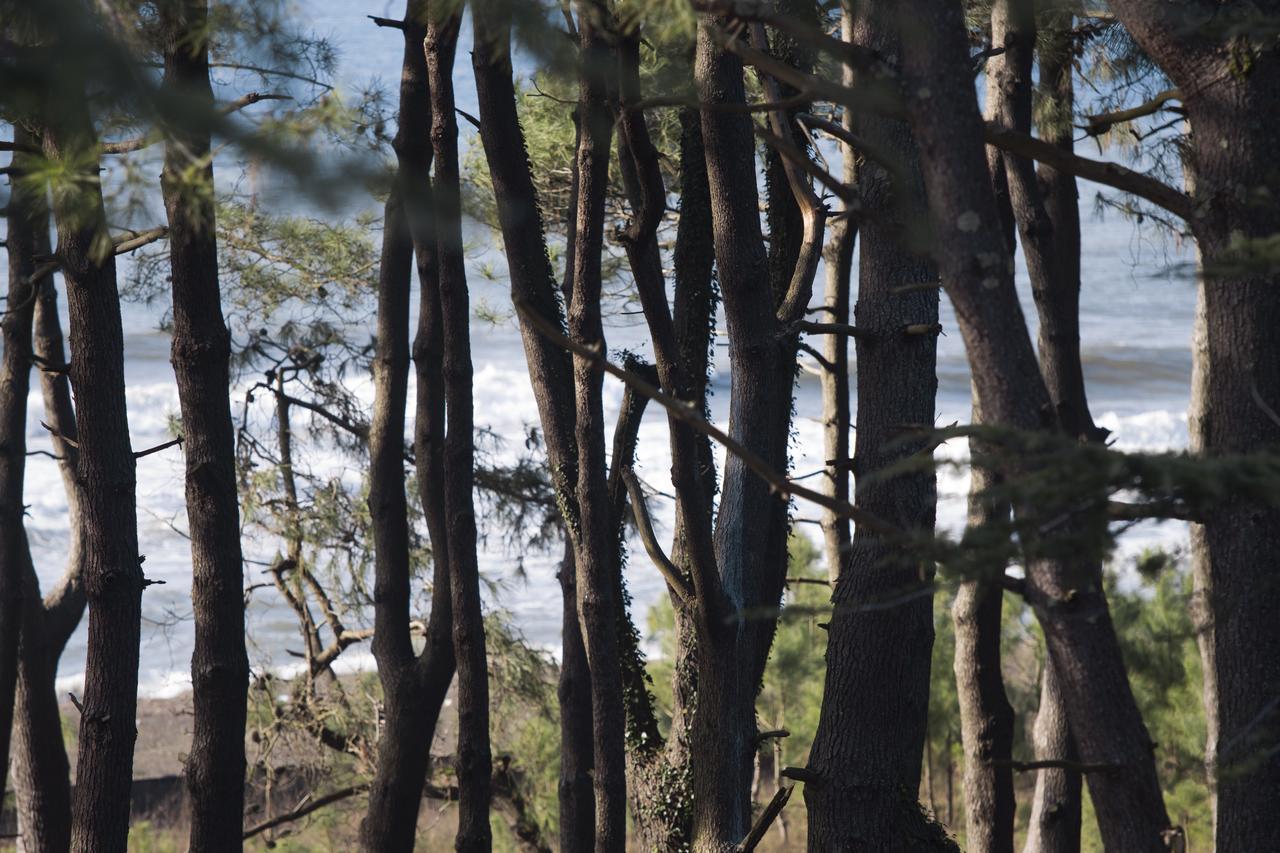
<point>27,215</point>
<point>41,771</point>
<point>215,766</point>
<point>835,373</point>
<point>872,728</point>
<point>576,799</point>
<point>1056,806</point>
<point>976,271</point>
<point>1055,809</point>
<point>595,542</point>
<point>474,763</point>
<point>107,483</point>
<point>413,686</point>
<point>986,716</point>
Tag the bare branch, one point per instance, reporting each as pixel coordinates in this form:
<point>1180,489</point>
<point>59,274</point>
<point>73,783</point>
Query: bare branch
<point>1096,125</point>
<point>305,809</point>
<point>765,820</point>
<point>640,509</point>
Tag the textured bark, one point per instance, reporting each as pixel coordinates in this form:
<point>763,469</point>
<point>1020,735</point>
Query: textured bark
<point>474,762</point>
<point>215,766</point>
<point>750,518</point>
<point>105,474</point>
<point>986,716</point>
<point>575,794</point>
<point>594,539</point>
<point>1055,810</point>
<point>41,771</point>
<point>26,216</point>
<point>1056,806</point>
<point>838,256</point>
<point>977,274</point>
<point>413,686</point>
<point>870,740</point>
<point>1231,83</point>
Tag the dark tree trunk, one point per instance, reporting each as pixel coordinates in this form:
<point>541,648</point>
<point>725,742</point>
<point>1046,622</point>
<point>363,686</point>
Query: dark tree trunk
<point>474,764</point>
<point>215,766</point>
<point>107,484</point>
<point>871,733</point>
<point>1231,83</point>
<point>595,540</point>
<point>576,798</point>
<point>414,686</point>
<point>27,215</point>
<point>1055,810</point>
<point>977,273</point>
<point>41,771</point>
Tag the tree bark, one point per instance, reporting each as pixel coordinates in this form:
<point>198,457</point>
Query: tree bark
<point>1055,809</point>
<point>871,732</point>
<point>474,764</point>
<point>977,274</point>
<point>107,482</point>
<point>986,716</point>
<point>215,767</point>
<point>414,686</point>
<point>594,539</point>
<point>1231,83</point>
<point>41,771</point>
<point>26,216</point>
<point>575,795</point>
<point>836,422</point>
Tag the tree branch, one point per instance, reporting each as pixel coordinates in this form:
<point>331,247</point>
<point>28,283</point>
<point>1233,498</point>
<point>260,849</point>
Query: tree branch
<point>650,540</point>
<point>765,820</point>
<point>1096,125</point>
<point>690,415</point>
<point>126,146</point>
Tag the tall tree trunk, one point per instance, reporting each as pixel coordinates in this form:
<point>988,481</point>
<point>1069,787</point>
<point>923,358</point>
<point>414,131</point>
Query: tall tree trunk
<point>594,539</point>
<point>977,273</point>
<point>474,764</point>
<point>838,256</point>
<point>414,686</point>
<point>107,482</point>
<point>26,216</point>
<point>41,771</point>
<point>1055,809</point>
<point>215,767</point>
<point>872,728</point>
<point>1231,86</point>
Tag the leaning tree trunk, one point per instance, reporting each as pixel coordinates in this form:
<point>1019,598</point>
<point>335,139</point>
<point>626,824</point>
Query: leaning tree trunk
<point>41,771</point>
<point>107,483</point>
<point>215,767</point>
<point>974,262</point>
<point>869,746</point>
<point>474,764</point>
<point>27,216</point>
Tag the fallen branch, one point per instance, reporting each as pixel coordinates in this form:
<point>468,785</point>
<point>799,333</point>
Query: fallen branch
<point>1053,764</point>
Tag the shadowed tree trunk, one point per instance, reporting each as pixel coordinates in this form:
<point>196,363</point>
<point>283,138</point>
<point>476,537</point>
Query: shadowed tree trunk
<point>27,216</point>
<point>1231,84</point>
<point>576,799</point>
<point>215,766</point>
<point>474,764</point>
<point>869,745</point>
<point>414,685</point>
<point>976,271</point>
<point>41,771</point>
<point>105,474</point>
